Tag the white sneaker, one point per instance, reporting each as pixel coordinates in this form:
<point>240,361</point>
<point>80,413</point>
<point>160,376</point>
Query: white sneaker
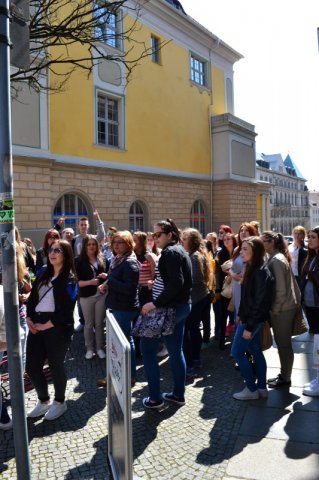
<point>246,394</point>
<point>89,355</point>
<point>79,328</point>
<point>40,409</point>
<point>313,381</point>
<point>312,390</point>
<point>56,410</point>
<point>101,354</point>
<point>163,352</point>
<point>6,426</point>
<point>263,392</point>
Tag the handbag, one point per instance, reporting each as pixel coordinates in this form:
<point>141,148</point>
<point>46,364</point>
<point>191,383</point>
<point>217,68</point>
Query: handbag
<point>299,325</point>
<point>156,323</point>
<point>227,290</point>
<point>265,336</point>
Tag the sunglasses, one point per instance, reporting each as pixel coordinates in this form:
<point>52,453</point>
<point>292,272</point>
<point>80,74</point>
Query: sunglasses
<point>157,234</point>
<point>54,237</point>
<point>55,250</point>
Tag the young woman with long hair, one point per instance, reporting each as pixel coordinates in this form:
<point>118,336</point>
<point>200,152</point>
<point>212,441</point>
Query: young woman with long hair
<point>147,261</point>
<point>176,274</point>
<point>237,270</point>
<point>24,289</point>
<point>91,271</point>
<point>201,298</point>
<point>50,320</point>
<point>310,294</point>
<point>253,311</point>
<point>285,303</point>
<point>221,303</point>
<point>42,253</point>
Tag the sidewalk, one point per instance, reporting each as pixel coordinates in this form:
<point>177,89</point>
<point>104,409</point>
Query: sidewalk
<point>212,437</point>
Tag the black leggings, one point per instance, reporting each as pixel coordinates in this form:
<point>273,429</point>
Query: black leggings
<point>51,344</point>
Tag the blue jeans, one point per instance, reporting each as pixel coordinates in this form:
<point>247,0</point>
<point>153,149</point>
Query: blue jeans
<point>239,347</point>
<point>125,321</point>
<point>174,344</point>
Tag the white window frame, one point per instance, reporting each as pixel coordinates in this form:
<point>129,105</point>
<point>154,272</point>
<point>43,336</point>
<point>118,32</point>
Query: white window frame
<point>111,25</point>
<point>108,98</point>
<point>198,67</point>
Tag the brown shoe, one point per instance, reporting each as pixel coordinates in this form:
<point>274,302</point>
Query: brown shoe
<point>102,382</point>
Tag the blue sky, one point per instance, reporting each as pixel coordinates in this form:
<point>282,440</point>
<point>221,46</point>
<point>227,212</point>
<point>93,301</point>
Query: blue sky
<point>276,85</point>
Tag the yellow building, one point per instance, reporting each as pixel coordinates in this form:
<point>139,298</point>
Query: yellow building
<point>167,144</point>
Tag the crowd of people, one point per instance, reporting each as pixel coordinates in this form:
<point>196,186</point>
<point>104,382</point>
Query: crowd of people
<point>161,287</point>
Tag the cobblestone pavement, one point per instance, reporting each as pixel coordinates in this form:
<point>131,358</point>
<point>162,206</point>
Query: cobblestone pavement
<point>191,442</point>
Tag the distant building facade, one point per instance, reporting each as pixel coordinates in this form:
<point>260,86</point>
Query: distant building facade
<point>314,208</point>
<point>288,196</point>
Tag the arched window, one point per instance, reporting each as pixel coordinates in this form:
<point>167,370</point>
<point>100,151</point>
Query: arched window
<point>198,217</point>
<point>137,219</point>
<point>73,207</point>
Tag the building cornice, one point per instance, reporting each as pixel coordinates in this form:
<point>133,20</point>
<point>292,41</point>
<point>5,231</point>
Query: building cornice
<point>190,27</point>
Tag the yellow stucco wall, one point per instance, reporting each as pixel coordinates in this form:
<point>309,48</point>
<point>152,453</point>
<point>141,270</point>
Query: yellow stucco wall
<point>166,117</point>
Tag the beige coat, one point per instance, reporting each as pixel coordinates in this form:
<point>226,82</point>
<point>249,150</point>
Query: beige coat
<point>287,294</point>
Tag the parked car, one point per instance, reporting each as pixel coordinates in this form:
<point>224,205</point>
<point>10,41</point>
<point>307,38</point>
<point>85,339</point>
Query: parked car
<point>289,239</point>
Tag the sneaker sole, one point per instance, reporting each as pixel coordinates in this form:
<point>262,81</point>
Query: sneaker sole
<point>155,407</point>
<point>176,402</point>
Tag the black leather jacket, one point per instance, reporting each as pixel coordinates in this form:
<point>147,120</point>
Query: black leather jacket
<point>311,274</point>
<point>256,298</point>
<point>176,271</point>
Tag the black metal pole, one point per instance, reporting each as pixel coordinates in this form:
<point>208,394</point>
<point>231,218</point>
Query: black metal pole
<point>9,270</point>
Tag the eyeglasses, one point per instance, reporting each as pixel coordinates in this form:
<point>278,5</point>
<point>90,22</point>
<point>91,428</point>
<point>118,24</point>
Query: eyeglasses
<point>118,242</point>
<point>55,250</point>
<point>157,234</point>
<point>109,234</point>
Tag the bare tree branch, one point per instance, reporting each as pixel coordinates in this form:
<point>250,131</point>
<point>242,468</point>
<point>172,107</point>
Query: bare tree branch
<point>96,26</point>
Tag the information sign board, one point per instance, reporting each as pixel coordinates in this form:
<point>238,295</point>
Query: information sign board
<point>119,401</point>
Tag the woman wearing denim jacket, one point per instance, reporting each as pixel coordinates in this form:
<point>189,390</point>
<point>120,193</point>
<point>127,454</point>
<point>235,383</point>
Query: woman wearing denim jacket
<point>255,303</point>
<point>176,272</point>
<point>50,321</point>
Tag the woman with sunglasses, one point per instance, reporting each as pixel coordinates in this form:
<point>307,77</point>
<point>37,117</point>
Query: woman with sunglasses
<point>50,321</point>
<point>310,294</point>
<point>91,268</point>
<point>175,271</point>
<point>286,300</point>
<point>42,253</point>
<point>122,286</point>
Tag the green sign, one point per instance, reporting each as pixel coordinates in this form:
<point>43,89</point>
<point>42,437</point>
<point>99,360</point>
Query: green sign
<point>6,216</point>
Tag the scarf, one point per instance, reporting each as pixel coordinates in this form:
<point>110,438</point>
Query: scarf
<point>121,258</point>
